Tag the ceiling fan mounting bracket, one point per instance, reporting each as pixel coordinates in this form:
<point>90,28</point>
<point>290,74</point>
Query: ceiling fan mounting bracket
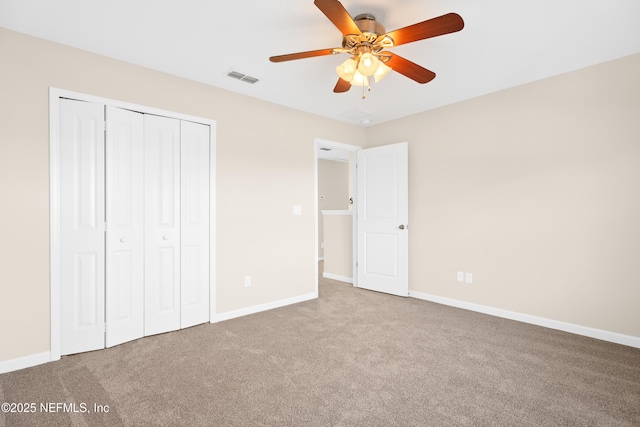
<point>368,24</point>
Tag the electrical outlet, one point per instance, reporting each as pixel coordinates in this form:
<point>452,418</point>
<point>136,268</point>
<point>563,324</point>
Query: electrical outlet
<point>247,281</point>
<point>460,276</point>
<point>468,278</point>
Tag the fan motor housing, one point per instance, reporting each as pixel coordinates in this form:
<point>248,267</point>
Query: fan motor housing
<point>368,24</point>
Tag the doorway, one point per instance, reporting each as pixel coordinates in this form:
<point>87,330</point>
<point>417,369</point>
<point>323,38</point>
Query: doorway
<point>380,218</point>
<point>342,152</point>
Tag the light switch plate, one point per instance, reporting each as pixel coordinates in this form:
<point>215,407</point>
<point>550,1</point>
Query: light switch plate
<point>297,210</point>
<point>460,276</point>
<point>469,278</point>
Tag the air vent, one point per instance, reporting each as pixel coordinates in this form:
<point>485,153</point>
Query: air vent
<point>249,79</point>
<point>242,77</point>
<point>235,75</point>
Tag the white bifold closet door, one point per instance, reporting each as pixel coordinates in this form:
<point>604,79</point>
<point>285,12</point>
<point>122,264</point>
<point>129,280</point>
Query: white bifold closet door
<point>162,224</point>
<point>134,225</point>
<point>82,226</point>
<point>194,249</point>
<point>125,226</point>
<point>176,224</point>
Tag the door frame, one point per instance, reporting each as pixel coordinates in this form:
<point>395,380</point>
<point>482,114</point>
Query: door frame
<point>54,199</point>
<point>325,143</point>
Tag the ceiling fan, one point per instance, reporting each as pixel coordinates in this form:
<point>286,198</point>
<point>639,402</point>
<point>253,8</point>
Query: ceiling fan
<point>365,39</point>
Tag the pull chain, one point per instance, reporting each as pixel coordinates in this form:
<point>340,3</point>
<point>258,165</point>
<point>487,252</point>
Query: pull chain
<point>368,89</point>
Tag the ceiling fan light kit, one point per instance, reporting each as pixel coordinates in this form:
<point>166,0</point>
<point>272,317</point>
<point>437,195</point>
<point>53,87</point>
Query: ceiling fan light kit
<point>365,39</point>
<point>368,64</point>
<point>383,70</point>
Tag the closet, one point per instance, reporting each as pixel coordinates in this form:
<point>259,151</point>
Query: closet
<point>134,224</point>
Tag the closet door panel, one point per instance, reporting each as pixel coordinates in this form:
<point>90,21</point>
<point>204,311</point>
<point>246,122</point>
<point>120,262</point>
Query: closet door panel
<point>125,226</point>
<point>195,177</point>
<point>82,219</point>
<point>162,224</point>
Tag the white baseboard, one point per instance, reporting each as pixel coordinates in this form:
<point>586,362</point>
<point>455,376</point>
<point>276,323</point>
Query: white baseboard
<point>40,358</point>
<point>336,277</point>
<point>628,340</point>
<point>24,362</point>
<point>600,334</point>
<point>264,307</point>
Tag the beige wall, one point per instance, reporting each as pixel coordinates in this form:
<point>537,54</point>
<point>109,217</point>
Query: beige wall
<point>333,185</point>
<point>263,169</point>
<point>338,240</point>
<point>536,191</point>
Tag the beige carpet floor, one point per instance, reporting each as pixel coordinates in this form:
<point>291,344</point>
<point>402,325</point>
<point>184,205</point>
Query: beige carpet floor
<point>350,358</point>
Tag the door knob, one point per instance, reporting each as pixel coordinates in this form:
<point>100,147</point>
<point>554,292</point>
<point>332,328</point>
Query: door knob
<point>122,240</point>
<point>401,227</point>
<point>165,237</point>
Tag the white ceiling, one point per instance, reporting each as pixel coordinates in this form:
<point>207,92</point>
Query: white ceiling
<point>505,43</point>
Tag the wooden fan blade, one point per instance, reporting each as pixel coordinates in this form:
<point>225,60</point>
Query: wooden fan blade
<point>445,24</point>
<point>301,55</point>
<point>337,14</point>
<point>342,86</point>
<point>410,69</point>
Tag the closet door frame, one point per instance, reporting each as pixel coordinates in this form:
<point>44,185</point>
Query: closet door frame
<point>54,201</point>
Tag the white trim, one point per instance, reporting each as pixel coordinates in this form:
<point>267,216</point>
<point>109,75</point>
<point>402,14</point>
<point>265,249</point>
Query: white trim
<point>337,212</point>
<point>54,199</point>
<point>316,219</point>
<point>320,258</point>
<point>54,224</point>
<point>24,362</point>
<point>354,218</point>
<point>326,143</point>
<point>57,93</point>
<point>264,307</point>
<point>213,268</point>
<point>586,331</point>
<point>337,277</point>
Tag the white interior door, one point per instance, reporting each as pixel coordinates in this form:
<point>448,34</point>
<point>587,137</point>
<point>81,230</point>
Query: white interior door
<point>125,226</point>
<point>162,224</point>
<point>194,233</point>
<point>82,225</point>
<point>382,219</point>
